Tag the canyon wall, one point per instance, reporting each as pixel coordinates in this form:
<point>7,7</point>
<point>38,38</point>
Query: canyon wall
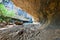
<point>43,11</point>
<point>30,6</point>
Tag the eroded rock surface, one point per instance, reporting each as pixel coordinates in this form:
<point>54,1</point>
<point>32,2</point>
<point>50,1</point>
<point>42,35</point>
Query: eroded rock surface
<point>47,12</point>
<point>44,11</point>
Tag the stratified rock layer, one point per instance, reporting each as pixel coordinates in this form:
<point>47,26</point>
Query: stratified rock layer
<point>30,6</point>
<point>43,11</point>
<point>38,8</point>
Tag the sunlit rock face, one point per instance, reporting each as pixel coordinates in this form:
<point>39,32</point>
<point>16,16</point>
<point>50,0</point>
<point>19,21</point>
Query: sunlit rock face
<point>43,11</point>
<point>30,6</point>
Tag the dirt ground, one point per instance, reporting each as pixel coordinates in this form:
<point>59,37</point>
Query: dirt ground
<point>18,32</point>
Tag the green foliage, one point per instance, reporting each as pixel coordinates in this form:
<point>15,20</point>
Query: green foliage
<point>6,19</point>
<point>5,12</point>
<point>5,15</point>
